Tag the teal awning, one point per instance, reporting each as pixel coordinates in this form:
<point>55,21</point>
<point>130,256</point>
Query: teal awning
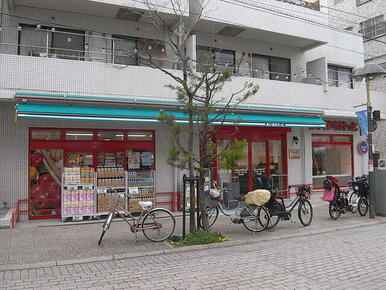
<point>66,112</point>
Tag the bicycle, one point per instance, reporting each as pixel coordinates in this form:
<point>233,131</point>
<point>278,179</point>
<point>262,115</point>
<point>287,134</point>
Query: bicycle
<point>340,203</point>
<point>156,224</point>
<point>278,211</point>
<point>254,218</point>
<point>358,197</point>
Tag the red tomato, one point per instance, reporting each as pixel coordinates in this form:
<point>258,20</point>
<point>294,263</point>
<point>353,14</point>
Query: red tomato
<point>37,191</point>
<point>53,190</point>
<point>36,159</point>
<point>46,179</point>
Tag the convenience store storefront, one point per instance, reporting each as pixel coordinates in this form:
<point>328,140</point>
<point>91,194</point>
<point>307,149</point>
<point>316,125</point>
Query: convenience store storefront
<point>134,150</point>
<point>108,153</point>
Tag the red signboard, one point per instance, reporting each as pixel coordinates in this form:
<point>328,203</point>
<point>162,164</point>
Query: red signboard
<point>339,126</point>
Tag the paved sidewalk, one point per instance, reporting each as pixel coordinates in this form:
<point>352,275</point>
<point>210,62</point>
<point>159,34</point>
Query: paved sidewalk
<point>31,245</point>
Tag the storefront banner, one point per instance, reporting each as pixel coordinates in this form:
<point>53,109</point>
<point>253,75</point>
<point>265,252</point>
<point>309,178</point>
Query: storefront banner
<point>362,120</point>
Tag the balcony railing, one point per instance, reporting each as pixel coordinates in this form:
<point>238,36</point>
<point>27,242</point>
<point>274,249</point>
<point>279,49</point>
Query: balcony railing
<point>123,52</point>
<point>50,43</point>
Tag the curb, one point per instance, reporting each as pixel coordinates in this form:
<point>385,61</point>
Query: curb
<point>227,244</point>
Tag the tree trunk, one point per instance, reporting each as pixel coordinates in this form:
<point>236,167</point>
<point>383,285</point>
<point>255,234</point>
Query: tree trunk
<point>202,203</point>
<point>192,220</point>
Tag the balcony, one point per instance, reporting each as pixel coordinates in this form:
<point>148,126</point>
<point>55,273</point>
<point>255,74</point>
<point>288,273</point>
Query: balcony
<point>266,21</point>
<point>105,8</point>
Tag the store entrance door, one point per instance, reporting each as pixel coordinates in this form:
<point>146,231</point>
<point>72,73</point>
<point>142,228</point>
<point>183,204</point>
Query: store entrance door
<point>265,160</point>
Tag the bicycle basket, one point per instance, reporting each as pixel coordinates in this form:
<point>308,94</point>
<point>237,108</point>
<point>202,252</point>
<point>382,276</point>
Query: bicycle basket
<point>213,194</point>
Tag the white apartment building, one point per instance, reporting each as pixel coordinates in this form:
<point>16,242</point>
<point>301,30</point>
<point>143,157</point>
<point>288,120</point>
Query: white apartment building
<point>73,94</point>
<point>367,17</point>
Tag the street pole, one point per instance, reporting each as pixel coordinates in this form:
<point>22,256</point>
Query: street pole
<point>370,150</point>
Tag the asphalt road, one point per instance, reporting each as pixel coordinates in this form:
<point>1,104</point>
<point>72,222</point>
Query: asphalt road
<point>346,259</point>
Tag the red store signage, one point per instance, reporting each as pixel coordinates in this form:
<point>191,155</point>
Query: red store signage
<point>339,126</point>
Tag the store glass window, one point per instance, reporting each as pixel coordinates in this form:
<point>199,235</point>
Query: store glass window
<point>333,157</point>
<point>140,136</point>
<point>341,139</point>
<point>110,136</point>
<point>124,50</point>
<point>340,77</point>
<point>45,134</point>
<point>110,159</point>
<point>79,135</point>
<point>79,159</point>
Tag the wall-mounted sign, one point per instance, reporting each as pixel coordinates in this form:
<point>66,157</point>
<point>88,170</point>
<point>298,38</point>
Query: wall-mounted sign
<point>363,147</point>
<point>294,154</point>
<point>339,126</point>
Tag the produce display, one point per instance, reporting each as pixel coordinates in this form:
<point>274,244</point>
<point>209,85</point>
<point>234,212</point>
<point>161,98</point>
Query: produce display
<point>45,181</point>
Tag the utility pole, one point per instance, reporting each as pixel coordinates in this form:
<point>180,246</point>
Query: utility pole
<point>368,72</point>
<point>370,146</point>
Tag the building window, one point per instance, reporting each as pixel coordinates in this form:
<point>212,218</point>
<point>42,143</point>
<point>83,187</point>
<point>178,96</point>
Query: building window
<point>215,59</point>
<point>360,2</point>
<point>340,77</point>
<point>373,27</point>
<point>332,155</point>
<point>270,67</point>
<point>338,1</point>
<point>124,50</point>
<point>58,42</point>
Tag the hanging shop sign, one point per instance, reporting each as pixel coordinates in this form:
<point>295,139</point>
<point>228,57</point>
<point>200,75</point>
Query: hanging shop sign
<point>363,147</point>
<point>339,126</point>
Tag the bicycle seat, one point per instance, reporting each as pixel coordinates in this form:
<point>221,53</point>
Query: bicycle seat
<point>146,205</point>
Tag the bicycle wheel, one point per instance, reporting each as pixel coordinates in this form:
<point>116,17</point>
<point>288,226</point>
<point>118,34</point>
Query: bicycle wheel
<point>106,226</point>
<point>158,225</point>
<point>353,201</point>
<point>305,212</point>
<point>273,221</point>
<point>363,206</point>
<point>334,211</point>
<point>257,219</point>
<point>212,215</point>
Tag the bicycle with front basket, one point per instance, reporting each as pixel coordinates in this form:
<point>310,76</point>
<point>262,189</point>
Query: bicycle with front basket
<point>254,218</point>
<point>156,224</point>
<point>279,211</point>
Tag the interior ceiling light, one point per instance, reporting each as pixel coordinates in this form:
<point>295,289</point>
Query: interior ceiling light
<point>126,14</point>
<point>230,31</point>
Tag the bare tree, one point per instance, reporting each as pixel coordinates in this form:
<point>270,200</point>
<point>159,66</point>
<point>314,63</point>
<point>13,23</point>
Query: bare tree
<point>198,85</point>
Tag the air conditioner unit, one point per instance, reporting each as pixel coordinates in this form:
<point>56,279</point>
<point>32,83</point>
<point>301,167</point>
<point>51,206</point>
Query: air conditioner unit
<point>382,164</point>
